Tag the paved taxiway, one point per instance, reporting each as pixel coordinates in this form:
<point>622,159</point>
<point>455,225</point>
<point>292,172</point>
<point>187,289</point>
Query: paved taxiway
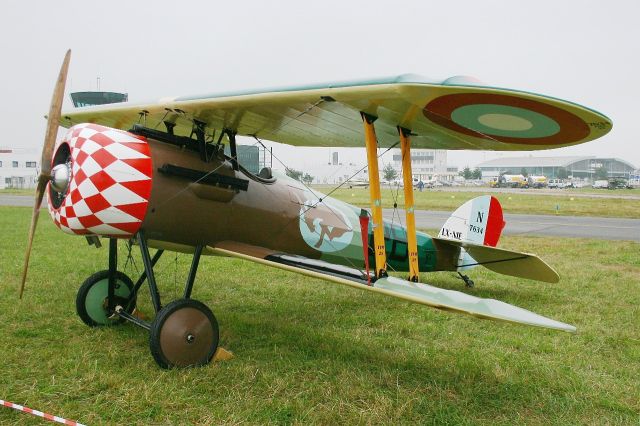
<point>605,228</point>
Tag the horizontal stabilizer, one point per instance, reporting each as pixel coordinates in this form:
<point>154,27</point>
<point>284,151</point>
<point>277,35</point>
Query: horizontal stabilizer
<point>507,262</point>
<point>450,300</point>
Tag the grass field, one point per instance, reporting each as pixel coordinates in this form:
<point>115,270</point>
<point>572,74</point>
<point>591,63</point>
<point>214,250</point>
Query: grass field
<point>311,352</point>
<point>567,204</point>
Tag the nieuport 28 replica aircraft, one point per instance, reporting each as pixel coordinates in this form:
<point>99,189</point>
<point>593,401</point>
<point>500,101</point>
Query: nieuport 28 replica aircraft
<point>157,175</point>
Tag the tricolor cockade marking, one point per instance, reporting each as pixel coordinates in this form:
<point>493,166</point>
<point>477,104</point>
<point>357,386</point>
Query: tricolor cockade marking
<point>506,118</point>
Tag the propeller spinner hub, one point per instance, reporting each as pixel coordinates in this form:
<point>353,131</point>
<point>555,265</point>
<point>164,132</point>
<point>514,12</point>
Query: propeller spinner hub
<point>60,177</point>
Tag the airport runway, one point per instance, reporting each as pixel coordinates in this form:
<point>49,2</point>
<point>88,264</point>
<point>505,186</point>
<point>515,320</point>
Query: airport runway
<point>17,200</point>
<point>604,228</point>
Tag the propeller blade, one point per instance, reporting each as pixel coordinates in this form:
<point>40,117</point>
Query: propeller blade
<point>53,121</point>
<point>42,184</point>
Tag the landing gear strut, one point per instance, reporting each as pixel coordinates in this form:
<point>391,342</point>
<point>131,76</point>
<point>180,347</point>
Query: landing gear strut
<point>468,282</point>
<point>183,334</point>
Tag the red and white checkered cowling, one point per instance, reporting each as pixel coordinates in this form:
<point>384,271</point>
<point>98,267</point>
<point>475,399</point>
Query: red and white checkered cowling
<point>110,182</point>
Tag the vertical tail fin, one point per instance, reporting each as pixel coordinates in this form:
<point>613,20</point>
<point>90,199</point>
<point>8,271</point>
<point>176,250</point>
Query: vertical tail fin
<point>478,221</point>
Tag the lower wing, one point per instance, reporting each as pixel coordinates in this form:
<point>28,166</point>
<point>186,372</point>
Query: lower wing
<point>414,292</point>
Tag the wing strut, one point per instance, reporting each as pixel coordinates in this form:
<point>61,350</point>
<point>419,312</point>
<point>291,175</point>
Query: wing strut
<point>233,148</point>
<point>407,180</point>
<point>371,144</point>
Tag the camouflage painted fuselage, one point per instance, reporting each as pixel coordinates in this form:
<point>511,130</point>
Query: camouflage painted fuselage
<point>278,214</point>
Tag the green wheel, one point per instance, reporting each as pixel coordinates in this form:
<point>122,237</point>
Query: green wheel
<point>184,334</point>
<point>91,301</point>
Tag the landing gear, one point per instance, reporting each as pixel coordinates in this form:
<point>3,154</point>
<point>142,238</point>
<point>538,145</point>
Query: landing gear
<point>91,301</point>
<point>468,282</point>
<point>184,334</point>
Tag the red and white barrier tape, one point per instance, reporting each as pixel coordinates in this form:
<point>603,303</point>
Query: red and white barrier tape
<point>39,413</point>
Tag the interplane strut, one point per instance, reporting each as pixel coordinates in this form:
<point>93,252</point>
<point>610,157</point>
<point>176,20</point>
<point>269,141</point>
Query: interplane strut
<point>407,180</point>
<point>371,144</point>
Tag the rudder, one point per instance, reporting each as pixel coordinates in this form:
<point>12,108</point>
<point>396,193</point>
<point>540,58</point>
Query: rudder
<point>478,221</point>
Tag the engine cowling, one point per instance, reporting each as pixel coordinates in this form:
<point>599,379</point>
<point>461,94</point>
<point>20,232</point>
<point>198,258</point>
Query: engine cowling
<point>101,182</point>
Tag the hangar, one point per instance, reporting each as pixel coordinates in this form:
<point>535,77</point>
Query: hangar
<point>583,167</point>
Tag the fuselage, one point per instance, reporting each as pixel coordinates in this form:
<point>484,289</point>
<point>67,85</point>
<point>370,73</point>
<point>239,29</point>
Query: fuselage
<point>278,213</point>
<point>184,193</point>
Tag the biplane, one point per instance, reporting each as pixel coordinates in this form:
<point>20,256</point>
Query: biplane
<point>156,175</point>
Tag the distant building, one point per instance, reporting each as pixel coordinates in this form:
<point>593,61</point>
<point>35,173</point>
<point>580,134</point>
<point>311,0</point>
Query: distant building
<point>19,168</point>
<point>249,157</point>
<point>426,164</point>
<point>579,167</point>
<point>336,165</point>
<point>83,99</point>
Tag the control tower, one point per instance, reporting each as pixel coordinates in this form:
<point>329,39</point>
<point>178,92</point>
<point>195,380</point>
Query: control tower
<point>83,99</point>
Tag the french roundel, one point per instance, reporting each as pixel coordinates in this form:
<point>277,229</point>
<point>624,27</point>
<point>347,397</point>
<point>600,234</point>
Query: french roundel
<point>505,118</point>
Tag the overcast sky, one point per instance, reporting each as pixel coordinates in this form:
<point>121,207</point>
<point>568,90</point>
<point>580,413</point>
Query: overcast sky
<point>583,51</point>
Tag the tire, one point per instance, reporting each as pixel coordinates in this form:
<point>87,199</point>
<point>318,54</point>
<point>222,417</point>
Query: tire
<point>184,334</point>
<point>92,295</point>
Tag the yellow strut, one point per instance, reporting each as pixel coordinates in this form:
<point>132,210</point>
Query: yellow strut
<point>371,144</point>
<point>407,180</point>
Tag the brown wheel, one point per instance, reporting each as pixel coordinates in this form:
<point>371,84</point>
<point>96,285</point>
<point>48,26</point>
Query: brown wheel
<point>184,334</point>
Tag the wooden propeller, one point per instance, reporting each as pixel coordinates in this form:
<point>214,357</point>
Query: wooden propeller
<point>53,122</point>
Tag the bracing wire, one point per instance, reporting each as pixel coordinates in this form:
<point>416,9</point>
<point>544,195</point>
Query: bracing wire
<point>306,208</point>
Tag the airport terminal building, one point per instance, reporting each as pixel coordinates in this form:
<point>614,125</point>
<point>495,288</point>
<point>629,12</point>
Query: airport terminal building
<point>579,167</point>
<point>19,168</point>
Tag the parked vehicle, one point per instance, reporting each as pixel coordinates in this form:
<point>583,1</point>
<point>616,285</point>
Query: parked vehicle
<point>509,181</point>
<point>617,183</point>
<point>600,184</point>
<point>560,183</point>
<point>537,181</point>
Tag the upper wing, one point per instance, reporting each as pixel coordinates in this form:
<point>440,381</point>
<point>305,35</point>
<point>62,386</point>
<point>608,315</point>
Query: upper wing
<point>453,114</point>
<point>415,292</point>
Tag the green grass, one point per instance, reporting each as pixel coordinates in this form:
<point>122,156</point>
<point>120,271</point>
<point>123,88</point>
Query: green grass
<point>11,191</point>
<point>311,352</point>
<point>567,204</point>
